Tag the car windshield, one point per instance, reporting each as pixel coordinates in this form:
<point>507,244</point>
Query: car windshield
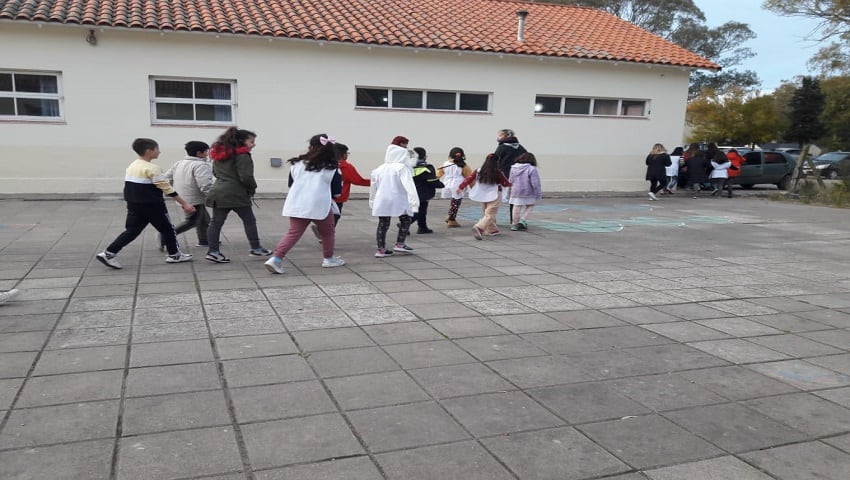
<point>831,157</point>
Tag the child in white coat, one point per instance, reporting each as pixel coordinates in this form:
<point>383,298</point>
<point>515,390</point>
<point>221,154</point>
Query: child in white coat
<point>314,181</point>
<point>393,193</point>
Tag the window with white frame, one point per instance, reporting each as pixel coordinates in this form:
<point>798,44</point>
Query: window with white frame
<point>412,99</point>
<point>606,107</point>
<point>182,101</point>
<point>35,96</point>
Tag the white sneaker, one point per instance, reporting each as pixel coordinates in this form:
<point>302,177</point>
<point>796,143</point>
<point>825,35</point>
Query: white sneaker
<point>333,262</point>
<point>179,257</point>
<point>275,265</point>
<point>108,259</point>
<point>9,296</point>
<point>652,196</point>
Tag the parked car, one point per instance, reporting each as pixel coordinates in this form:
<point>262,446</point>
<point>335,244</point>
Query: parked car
<point>766,167</point>
<point>830,165</point>
<point>741,150</point>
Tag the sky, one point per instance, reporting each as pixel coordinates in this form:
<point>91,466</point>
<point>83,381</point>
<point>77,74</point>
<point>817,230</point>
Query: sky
<point>781,51</point>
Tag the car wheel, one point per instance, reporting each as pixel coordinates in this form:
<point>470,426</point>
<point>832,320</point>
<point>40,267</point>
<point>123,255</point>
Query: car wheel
<point>784,183</point>
<point>747,185</point>
<point>833,174</point>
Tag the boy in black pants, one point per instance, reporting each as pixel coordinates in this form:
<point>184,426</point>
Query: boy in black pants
<point>427,183</point>
<point>144,184</point>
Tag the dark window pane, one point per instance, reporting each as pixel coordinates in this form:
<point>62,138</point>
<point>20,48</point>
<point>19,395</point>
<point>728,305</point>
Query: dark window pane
<point>372,97</point>
<point>38,107</point>
<point>773,157</point>
<point>547,104</point>
<point>605,107</point>
<point>214,91</point>
<point>477,102</point>
<point>753,158</point>
<point>441,100</point>
<point>213,113</point>
<point>173,89</point>
<point>174,111</point>
<point>633,108</point>
<point>577,106</point>
<point>5,82</point>
<point>36,83</point>
<point>407,99</point>
<point>7,106</point>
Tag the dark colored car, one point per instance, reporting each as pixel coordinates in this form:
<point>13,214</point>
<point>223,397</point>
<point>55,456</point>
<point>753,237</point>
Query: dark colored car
<point>831,165</point>
<point>762,166</point>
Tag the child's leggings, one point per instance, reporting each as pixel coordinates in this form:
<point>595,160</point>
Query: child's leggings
<point>384,226</point>
<point>454,205</point>
<point>521,212</point>
<point>297,226</point>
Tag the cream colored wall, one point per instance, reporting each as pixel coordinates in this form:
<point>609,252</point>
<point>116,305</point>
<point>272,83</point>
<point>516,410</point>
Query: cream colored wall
<point>289,90</point>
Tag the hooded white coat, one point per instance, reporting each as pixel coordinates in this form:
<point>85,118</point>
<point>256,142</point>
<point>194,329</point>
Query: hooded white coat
<point>393,192</point>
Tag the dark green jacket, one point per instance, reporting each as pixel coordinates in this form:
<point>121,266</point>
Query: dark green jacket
<point>234,182</point>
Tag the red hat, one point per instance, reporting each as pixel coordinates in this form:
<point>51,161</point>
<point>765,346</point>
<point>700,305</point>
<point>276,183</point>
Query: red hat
<point>399,140</point>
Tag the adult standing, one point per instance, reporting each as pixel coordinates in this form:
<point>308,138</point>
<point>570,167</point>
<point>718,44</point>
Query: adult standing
<point>656,169</point>
<point>507,152</point>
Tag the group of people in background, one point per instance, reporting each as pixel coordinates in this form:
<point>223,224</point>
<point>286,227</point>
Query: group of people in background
<point>319,183</point>
<point>693,169</point>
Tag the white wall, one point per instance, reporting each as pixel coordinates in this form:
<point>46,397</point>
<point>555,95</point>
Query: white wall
<point>289,90</point>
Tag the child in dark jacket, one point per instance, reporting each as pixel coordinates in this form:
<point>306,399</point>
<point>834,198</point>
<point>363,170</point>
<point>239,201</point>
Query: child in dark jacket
<point>427,183</point>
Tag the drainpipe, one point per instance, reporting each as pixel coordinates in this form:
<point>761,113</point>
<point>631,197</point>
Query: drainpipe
<point>520,26</point>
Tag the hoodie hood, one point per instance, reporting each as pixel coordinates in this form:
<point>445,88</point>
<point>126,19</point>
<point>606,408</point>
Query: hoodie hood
<point>400,155</point>
<point>510,141</point>
<point>521,168</point>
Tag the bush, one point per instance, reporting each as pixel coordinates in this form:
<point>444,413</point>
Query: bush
<point>835,195</point>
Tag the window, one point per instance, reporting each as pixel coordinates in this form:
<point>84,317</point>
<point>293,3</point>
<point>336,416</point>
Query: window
<point>30,96</point>
<point>387,98</point>
<point>773,157</point>
<point>609,107</point>
<point>194,102</point>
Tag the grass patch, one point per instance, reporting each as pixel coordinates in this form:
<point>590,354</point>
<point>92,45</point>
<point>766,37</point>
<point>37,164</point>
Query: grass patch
<point>834,195</point>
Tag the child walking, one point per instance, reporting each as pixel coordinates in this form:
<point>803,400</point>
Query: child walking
<point>427,183</point>
<point>193,176</point>
<point>314,181</point>
<point>233,189</point>
<point>452,174</point>
<point>144,185</point>
<point>350,176</point>
<point>489,181</point>
<point>393,193</point>
<point>525,190</point>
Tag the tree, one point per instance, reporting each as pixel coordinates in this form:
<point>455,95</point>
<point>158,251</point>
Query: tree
<point>806,107</point>
<point>736,117</point>
<point>835,25</point>
<point>836,112</point>
<point>683,23</point>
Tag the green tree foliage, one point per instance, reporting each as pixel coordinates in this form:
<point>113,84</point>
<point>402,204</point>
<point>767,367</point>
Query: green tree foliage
<point>683,23</point>
<point>806,107</point>
<point>836,112</point>
<point>834,16</point>
<point>736,117</point>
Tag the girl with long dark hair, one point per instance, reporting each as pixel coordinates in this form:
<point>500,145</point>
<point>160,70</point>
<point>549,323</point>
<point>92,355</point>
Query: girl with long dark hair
<point>489,181</point>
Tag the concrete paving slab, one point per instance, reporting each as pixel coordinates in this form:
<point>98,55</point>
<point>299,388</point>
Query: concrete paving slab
<point>161,413</point>
<point>404,426</point>
<point>802,461</point>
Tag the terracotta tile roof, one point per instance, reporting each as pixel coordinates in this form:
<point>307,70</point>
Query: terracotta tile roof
<point>466,25</point>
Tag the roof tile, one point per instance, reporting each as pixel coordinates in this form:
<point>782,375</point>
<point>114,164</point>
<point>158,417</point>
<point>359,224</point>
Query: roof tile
<point>466,25</point>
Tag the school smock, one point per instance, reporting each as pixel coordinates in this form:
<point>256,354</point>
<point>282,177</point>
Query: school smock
<point>721,170</point>
<point>452,176</point>
<point>310,193</point>
<point>393,192</point>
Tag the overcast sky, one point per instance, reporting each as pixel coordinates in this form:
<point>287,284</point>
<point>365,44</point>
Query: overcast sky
<point>781,51</point>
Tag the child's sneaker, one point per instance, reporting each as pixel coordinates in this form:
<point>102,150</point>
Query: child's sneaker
<point>274,265</point>
<point>494,233</point>
<point>523,225</point>
<point>108,259</point>
<point>179,258</point>
<point>383,252</point>
<point>217,257</point>
<point>400,247</point>
<point>515,227</point>
<point>333,262</point>
<point>477,233</point>
<point>9,295</point>
<point>452,224</point>
<point>260,252</point>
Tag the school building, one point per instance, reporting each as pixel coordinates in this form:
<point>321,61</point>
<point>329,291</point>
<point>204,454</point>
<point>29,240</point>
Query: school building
<point>587,92</point>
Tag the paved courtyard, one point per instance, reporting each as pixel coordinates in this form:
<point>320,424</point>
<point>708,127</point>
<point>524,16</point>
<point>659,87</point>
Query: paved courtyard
<point>617,338</point>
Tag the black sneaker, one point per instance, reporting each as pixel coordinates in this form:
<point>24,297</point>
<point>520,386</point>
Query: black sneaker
<point>217,257</point>
<point>425,230</point>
